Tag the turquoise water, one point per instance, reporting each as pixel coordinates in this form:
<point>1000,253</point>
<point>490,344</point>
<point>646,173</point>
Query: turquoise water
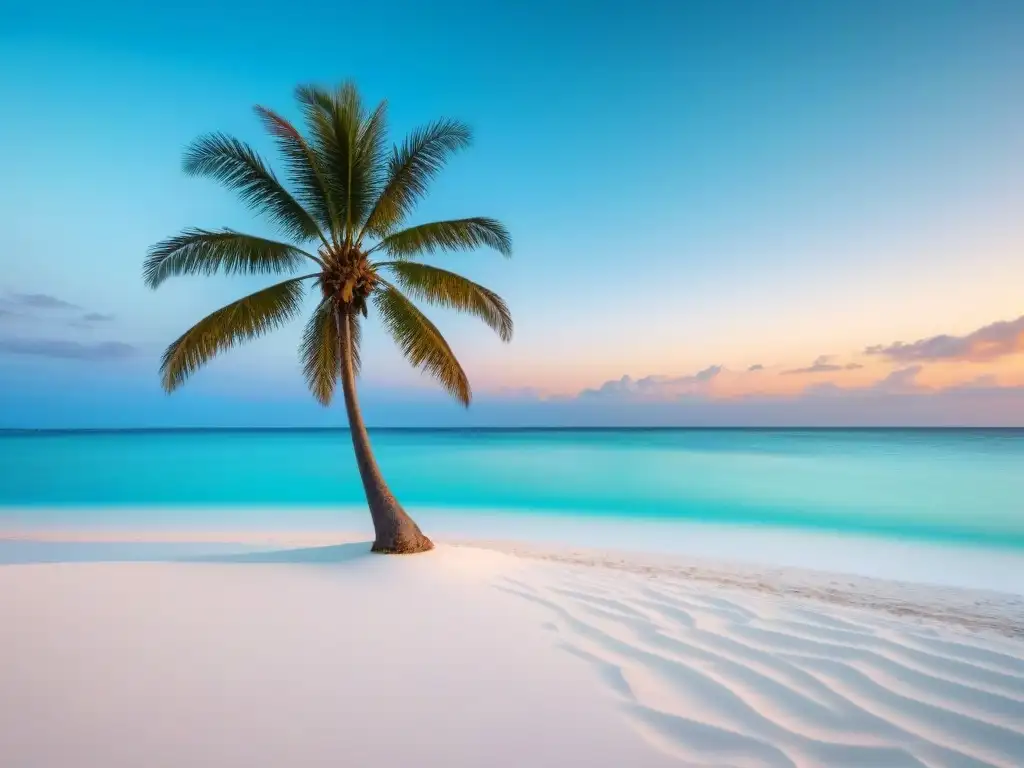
<point>940,485</point>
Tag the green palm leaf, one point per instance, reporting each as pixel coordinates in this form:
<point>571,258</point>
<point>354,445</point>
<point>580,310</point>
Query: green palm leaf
<point>335,120</point>
<point>247,318</point>
<point>447,289</point>
<point>236,165</point>
<point>369,167</point>
<point>304,167</point>
<point>206,252</point>
<point>356,329</point>
<point>452,235</point>
<point>319,352</point>
<point>313,99</point>
<point>420,341</point>
<point>317,105</point>
<point>410,170</point>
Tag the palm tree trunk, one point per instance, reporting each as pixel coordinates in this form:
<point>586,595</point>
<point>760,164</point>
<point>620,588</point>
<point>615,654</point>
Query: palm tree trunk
<point>395,532</point>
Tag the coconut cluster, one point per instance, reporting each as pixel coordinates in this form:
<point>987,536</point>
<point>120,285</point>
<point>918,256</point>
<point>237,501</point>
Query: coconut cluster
<point>349,277</point>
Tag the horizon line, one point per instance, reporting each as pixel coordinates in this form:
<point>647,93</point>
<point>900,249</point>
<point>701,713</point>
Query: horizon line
<point>14,431</point>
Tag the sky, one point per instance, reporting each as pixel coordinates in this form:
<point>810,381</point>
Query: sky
<point>723,213</point>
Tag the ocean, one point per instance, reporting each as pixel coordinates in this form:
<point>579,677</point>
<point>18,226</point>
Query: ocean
<point>947,485</point>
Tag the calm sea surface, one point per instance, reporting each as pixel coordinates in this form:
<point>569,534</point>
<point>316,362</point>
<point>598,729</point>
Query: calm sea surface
<point>940,485</point>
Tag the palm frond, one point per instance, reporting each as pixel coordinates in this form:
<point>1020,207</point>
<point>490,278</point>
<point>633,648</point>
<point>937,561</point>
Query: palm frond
<point>206,252</point>
<point>237,165</point>
<point>369,167</point>
<point>304,166</point>
<point>420,341</point>
<point>247,318</point>
<point>355,326</point>
<point>319,352</point>
<point>317,105</point>
<point>335,121</point>
<point>447,289</point>
<point>410,169</point>
<point>314,98</point>
<point>452,235</point>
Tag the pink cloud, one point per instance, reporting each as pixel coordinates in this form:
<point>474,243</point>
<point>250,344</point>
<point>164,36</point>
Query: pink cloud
<point>895,400</point>
<point>983,345</point>
<point>824,364</point>
<point>658,387</point>
<point>900,381</point>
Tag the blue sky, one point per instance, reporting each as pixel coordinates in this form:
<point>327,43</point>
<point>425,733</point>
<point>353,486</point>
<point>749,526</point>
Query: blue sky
<point>690,187</point>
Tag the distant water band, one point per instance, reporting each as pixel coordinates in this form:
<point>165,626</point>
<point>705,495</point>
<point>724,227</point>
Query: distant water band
<point>950,485</point>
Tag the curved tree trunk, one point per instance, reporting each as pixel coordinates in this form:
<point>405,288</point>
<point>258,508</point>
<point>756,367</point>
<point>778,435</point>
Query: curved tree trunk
<point>395,532</point>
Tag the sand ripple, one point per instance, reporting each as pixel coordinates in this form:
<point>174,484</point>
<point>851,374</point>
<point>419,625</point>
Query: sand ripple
<point>720,678</point>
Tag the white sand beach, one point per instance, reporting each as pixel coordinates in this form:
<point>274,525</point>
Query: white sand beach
<point>499,655</point>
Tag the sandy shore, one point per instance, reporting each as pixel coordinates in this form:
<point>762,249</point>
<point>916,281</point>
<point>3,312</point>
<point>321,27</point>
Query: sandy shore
<point>494,654</point>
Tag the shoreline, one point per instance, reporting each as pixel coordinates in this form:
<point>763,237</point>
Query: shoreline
<point>320,516</point>
<point>957,607</point>
<point>969,609</point>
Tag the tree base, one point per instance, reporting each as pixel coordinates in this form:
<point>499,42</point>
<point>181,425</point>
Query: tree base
<point>398,534</point>
<point>406,546</point>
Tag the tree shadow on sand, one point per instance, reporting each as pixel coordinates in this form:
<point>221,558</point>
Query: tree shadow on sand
<point>27,552</point>
<point>336,553</point>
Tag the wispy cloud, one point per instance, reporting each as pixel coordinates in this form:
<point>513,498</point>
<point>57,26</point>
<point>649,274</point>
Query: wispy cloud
<point>48,308</point>
<point>657,386</point>
<point>983,345</point>
<point>707,374</point>
<point>63,349</point>
<point>823,364</point>
<point>900,381</point>
<point>898,398</point>
<point>90,320</point>
<point>755,367</point>
<point>40,301</point>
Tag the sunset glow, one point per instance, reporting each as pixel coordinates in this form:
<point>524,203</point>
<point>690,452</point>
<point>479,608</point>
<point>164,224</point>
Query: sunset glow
<point>843,216</point>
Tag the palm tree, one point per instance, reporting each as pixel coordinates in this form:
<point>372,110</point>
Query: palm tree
<point>350,198</point>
